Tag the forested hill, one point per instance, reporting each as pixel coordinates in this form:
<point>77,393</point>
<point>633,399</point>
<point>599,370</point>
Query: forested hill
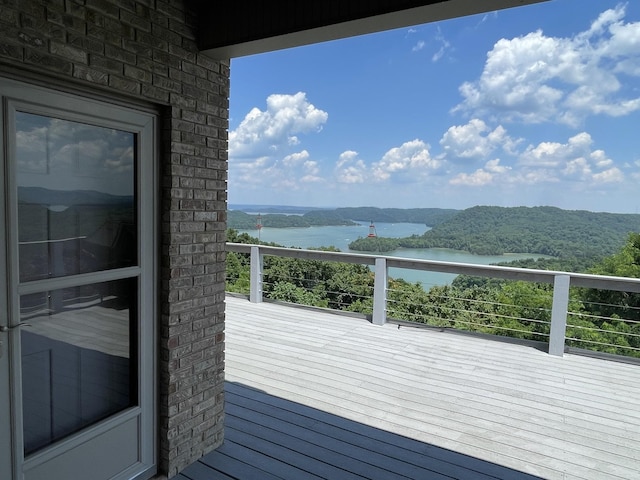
<point>244,221</point>
<point>429,216</point>
<point>341,216</point>
<point>498,230</point>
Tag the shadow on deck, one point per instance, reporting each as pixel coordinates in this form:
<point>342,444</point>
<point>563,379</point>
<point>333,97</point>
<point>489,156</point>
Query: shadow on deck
<point>267,437</point>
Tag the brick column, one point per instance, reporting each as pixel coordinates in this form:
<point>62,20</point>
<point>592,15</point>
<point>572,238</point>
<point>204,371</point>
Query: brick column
<point>145,50</point>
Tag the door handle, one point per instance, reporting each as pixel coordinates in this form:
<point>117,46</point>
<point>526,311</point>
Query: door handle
<point>4,328</point>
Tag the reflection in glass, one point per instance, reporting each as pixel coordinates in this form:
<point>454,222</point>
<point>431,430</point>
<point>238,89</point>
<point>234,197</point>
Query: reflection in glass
<point>76,197</point>
<point>77,356</point>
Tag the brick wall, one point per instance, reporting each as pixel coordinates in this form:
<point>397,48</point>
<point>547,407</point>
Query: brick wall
<point>146,49</point>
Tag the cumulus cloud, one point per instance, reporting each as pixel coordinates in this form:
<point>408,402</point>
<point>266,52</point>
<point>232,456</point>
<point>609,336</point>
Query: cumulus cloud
<point>264,132</point>
<point>575,160</point>
<point>555,154</point>
<point>412,160</point>
<point>295,158</point>
<point>482,176</point>
<point>261,148</point>
<point>350,168</point>
<point>548,162</point>
<point>290,172</point>
<point>476,140</point>
<point>311,172</point>
<point>476,179</point>
<point>536,78</point>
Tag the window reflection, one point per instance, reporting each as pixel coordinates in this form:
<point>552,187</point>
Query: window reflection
<point>76,197</point>
<point>76,358</point>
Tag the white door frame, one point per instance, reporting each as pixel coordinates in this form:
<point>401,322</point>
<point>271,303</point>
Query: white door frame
<point>75,449</point>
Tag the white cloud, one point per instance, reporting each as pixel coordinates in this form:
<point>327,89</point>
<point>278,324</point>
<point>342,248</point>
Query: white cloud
<point>482,176</point>
<point>476,140</point>
<point>312,173</point>
<point>548,162</point>
<point>295,158</point>
<point>350,168</point>
<point>487,16</point>
<point>265,132</point>
<point>411,160</point>
<point>574,160</point>
<point>418,46</point>
<point>444,46</point>
<point>535,78</point>
<point>260,148</point>
<point>494,166</point>
<point>479,178</point>
<point>290,172</point>
<point>554,154</point>
<point>612,175</point>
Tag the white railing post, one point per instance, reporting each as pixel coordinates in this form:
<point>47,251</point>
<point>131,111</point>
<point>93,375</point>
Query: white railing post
<point>559,311</point>
<point>380,292</point>
<point>255,289</point>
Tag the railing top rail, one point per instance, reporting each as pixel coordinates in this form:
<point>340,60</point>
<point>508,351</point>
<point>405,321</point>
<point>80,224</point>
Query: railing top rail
<point>304,254</point>
<point>623,284</point>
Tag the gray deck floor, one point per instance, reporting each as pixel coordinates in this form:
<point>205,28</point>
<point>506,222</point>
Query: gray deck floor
<point>319,395</point>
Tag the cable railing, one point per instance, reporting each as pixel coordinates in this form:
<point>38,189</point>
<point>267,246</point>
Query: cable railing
<point>530,304</point>
<point>475,315</point>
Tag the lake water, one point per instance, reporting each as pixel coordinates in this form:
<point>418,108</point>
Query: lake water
<point>341,236</point>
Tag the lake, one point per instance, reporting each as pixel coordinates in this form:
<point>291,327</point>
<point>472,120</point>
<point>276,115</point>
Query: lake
<point>341,236</point>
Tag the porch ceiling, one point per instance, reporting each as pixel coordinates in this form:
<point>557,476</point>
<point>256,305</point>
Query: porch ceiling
<point>235,29</point>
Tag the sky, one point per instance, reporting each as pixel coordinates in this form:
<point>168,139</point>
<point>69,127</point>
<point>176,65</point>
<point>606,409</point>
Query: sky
<point>535,105</point>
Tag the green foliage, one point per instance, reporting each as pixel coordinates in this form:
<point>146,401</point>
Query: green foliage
<point>341,216</point>
<point>608,307</point>
<point>288,292</point>
<point>234,237</point>
<point>605,321</point>
<point>326,217</point>
<point>375,244</point>
<point>241,221</point>
<point>333,284</point>
<point>428,216</point>
<point>538,230</point>
<point>244,221</point>
<point>237,273</point>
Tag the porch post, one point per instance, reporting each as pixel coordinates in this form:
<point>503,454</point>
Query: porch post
<point>255,291</point>
<point>559,314</point>
<point>380,292</point>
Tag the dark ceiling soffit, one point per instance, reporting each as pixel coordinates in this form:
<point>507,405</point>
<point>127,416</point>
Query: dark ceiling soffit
<point>240,28</point>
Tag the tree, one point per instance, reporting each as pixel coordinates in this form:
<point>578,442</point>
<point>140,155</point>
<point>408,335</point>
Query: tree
<point>625,263</point>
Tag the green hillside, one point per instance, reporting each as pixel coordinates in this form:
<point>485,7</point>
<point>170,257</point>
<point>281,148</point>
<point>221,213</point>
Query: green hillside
<point>489,230</point>
<point>428,216</point>
<point>245,221</point>
<point>341,216</point>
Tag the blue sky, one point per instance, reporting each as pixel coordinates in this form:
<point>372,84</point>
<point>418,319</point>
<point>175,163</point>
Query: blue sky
<point>537,105</point>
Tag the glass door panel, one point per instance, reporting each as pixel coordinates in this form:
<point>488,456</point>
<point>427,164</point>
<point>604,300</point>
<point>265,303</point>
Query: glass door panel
<point>76,215</point>
<point>77,365</point>
<point>76,197</point>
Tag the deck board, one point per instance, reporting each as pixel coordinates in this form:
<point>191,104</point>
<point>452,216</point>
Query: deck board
<point>312,394</point>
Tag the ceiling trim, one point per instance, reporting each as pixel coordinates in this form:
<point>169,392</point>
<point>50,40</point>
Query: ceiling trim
<point>240,30</point>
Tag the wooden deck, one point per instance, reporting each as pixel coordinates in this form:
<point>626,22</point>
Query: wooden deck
<point>320,395</point>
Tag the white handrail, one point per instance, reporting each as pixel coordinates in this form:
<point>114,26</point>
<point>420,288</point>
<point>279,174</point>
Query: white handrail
<point>561,281</point>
